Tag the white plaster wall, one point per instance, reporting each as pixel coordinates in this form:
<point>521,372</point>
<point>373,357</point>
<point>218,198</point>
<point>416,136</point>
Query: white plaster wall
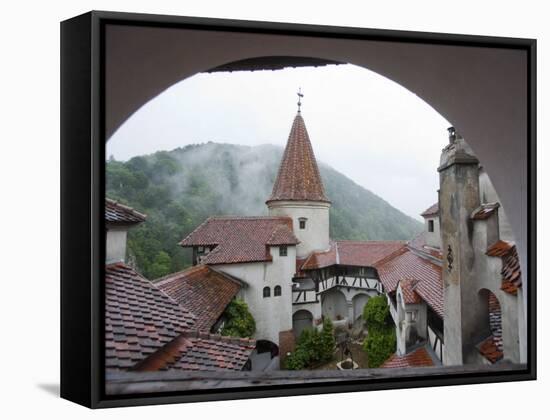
<point>433,239</point>
<point>359,302</point>
<point>272,314</point>
<point>488,274</point>
<point>315,237</point>
<point>116,245</point>
<point>314,308</point>
<point>488,194</point>
<point>334,304</point>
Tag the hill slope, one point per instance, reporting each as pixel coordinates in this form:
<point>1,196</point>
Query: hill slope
<point>179,189</point>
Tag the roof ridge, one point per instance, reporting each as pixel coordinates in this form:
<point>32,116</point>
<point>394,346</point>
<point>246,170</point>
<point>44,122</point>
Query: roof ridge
<point>172,276</point>
<point>202,335</point>
<point>125,207</point>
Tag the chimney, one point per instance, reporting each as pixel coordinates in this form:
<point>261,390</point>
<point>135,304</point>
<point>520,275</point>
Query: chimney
<point>119,218</point>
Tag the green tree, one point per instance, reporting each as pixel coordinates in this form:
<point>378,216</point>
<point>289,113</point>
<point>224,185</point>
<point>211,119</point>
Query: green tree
<point>380,342</point>
<point>160,266</point>
<point>313,347</point>
<point>239,322</point>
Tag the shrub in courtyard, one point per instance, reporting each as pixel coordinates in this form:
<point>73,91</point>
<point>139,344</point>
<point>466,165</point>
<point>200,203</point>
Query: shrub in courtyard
<point>238,320</point>
<point>380,342</point>
<point>313,347</point>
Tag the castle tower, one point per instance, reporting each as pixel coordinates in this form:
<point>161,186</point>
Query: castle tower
<point>298,192</point>
<point>458,198</point>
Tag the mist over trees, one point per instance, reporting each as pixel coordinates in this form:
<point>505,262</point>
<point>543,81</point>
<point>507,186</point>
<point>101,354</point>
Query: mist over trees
<point>179,189</point>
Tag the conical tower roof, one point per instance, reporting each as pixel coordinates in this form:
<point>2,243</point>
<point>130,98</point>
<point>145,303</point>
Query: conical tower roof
<point>298,178</point>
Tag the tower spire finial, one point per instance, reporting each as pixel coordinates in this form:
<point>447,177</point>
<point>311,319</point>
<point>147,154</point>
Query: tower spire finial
<point>300,96</point>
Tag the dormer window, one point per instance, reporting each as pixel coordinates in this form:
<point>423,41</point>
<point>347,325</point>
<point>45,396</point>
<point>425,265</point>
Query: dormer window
<point>430,225</point>
<point>283,251</point>
<point>302,222</point>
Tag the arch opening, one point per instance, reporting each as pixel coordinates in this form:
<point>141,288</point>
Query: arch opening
<point>301,320</point>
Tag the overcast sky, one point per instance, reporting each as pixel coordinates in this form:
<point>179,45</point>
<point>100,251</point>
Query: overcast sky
<point>371,129</point>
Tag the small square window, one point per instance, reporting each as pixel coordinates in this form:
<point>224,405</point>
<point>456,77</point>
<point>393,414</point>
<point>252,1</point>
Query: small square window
<point>283,251</point>
<point>430,225</point>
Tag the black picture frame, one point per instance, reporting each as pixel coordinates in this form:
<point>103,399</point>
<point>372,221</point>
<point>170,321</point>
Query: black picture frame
<point>83,130</point>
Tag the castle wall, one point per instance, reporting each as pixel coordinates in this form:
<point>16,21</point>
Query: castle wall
<point>272,314</point>
<point>315,236</point>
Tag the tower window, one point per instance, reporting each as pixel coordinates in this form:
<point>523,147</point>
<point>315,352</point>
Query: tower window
<point>267,292</point>
<point>302,222</point>
<point>277,291</point>
<point>430,225</point>
<point>283,251</point>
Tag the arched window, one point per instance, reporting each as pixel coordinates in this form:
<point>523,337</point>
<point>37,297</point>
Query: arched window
<point>302,221</point>
<point>267,292</point>
<point>277,291</point>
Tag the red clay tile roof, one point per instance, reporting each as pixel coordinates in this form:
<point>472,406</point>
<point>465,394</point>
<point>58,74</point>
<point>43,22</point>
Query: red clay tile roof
<point>417,358</point>
<point>511,272</point>
<point>119,214</point>
<point>353,253</point>
<point>433,210</point>
<point>298,178</point>
<point>240,239</point>
<point>299,263</point>
<point>490,350</point>
<point>408,288</point>
<point>139,318</point>
<point>484,211</point>
<point>203,291</point>
<point>208,352</point>
<point>408,265</point>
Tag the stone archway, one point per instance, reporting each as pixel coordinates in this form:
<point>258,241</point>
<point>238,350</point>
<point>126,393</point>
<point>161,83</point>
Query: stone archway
<point>460,83</point>
<point>359,301</point>
<point>301,320</point>
<point>334,306</point>
<point>491,347</point>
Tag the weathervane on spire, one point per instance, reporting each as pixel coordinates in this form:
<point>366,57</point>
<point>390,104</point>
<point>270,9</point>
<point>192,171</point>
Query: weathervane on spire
<point>300,96</point>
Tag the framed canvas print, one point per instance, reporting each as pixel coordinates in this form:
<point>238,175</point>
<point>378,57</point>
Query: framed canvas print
<point>255,209</point>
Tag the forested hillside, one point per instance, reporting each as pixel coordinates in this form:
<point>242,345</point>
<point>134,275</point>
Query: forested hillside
<point>179,189</point>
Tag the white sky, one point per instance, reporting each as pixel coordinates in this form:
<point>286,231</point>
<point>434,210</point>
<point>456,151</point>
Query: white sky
<point>371,129</point>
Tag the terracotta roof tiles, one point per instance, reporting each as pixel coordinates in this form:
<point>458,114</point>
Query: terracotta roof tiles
<point>511,271</point>
<point>139,318</point>
<point>354,253</point>
<point>197,351</point>
<point>417,358</point>
<point>485,211</point>
<point>119,214</point>
<point>433,210</point>
<point>298,178</point>
<point>203,291</point>
<point>490,350</point>
<point>146,330</point>
<point>409,265</point>
<point>408,288</point>
<point>241,239</point>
